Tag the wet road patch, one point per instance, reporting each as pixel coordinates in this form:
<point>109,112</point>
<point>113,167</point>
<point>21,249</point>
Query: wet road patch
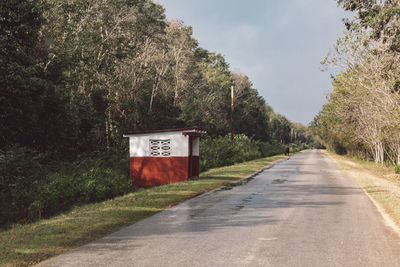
<point>279,181</point>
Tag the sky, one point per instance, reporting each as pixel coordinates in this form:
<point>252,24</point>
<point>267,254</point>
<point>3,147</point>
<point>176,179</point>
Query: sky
<point>278,44</point>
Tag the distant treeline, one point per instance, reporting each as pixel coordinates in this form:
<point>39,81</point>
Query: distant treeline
<point>76,75</point>
<point>362,116</point>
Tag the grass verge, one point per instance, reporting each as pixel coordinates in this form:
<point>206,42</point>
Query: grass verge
<point>379,182</point>
<point>28,244</point>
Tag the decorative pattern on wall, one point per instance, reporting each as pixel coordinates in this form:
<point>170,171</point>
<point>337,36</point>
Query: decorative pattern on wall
<point>160,147</point>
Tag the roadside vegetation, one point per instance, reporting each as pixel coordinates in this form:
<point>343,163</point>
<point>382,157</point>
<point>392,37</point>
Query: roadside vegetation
<point>362,114</point>
<point>379,181</point>
<point>35,187</point>
<point>216,152</point>
<point>27,244</point>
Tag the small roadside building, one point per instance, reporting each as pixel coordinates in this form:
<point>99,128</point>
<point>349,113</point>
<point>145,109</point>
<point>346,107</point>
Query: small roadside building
<point>164,156</point>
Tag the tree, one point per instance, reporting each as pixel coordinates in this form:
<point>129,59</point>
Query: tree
<point>79,74</point>
<point>381,16</point>
<point>364,103</point>
<point>30,110</point>
<point>250,116</point>
<point>281,128</point>
<point>208,102</point>
<point>106,52</point>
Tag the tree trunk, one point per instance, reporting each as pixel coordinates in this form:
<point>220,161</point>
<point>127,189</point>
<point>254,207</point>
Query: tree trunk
<point>397,154</point>
<point>107,132</point>
<point>379,152</point>
<point>176,87</point>
<point>110,126</point>
<point>153,92</point>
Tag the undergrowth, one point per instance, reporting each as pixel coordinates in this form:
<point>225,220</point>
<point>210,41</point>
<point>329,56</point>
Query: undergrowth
<point>34,185</point>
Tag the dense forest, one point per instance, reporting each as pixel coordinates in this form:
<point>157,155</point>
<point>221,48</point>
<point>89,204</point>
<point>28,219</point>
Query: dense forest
<point>362,115</point>
<point>76,75</point>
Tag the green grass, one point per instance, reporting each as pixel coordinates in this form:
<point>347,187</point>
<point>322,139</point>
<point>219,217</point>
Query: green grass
<point>25,245</point>
<point>381,183</point>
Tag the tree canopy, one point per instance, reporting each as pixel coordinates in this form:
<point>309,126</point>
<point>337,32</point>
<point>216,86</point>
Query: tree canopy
<point>78,74</point>
<point>362,115</point>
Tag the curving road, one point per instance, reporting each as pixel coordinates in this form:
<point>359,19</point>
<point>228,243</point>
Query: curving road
<point>301,212</point>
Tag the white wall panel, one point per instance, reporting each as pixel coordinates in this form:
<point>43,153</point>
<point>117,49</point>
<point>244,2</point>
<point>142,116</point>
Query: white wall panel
<point>139,144</point>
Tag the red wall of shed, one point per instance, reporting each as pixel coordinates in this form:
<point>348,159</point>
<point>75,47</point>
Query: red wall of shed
<point>148,171</point>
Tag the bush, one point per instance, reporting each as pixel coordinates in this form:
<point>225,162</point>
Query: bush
<point>21,173</point>
<point>397,169</point>
<point>34,187</point>
<point>217,152</point>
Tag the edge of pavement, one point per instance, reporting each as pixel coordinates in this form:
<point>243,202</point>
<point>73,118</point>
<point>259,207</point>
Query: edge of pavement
<point>387,219</point>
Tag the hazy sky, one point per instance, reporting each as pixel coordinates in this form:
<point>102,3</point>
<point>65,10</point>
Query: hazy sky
<point>278,44</point>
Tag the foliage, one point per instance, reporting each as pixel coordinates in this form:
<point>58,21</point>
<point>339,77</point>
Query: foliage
<point>20,172</point>
<point>221,152</point>
<point>397,169</point>
<point>216,152</point>
<point>31,111</point>
<point>381,17</point>
<point>362,116</point>
<point>102,68</point>
<point>35,187</point>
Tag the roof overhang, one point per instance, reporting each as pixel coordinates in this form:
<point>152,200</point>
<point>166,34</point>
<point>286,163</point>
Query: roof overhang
<point>191,131</point>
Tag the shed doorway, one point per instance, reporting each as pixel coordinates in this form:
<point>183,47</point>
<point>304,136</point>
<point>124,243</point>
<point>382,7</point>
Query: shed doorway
<point>194,159</point>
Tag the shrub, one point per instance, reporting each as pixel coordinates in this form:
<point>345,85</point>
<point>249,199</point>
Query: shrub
<point>21,173</point>
<point>217,152</point>
<point>397,169</point>
<point>34,187</point>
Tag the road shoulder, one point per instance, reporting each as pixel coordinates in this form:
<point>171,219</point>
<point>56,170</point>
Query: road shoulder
<point>378,182</point>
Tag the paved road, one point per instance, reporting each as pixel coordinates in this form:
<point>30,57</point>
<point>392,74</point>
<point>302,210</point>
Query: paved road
<point>301,212</point>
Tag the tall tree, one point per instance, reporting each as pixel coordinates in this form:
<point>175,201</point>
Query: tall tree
<point>28,106</point>
<point>105,49</point>
<point>381,16</point>
<point>364,103</point>
<point>250,116</point>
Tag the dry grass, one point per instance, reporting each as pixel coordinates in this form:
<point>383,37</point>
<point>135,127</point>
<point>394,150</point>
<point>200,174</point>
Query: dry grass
<point>379,181</point>
<point>25,245</point>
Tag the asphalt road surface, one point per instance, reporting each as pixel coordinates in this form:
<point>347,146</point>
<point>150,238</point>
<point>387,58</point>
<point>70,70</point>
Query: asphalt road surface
<point>301,212</point>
